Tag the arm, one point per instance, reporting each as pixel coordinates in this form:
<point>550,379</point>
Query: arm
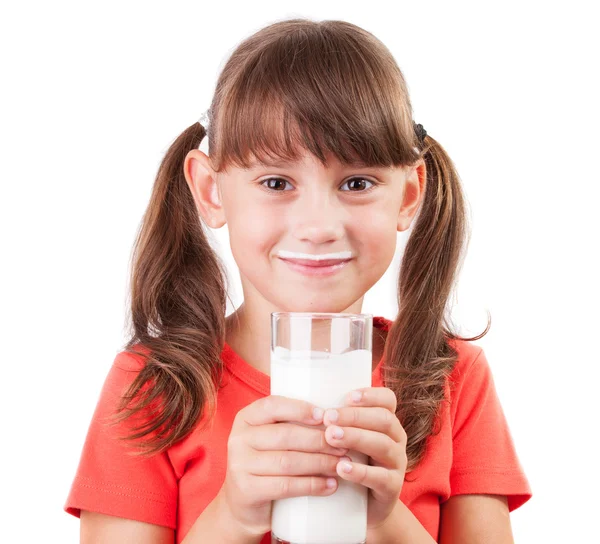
<point>401,527</point>
<point>464,519</point>
<point>471,519</point>
<point>213,525</point>
<point>216,524</point>
<point>96,528</point>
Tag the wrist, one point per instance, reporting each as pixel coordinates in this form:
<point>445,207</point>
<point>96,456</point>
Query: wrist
<point>234,529</point>
<point>400,527</point>
<point>218,524</point>
<point>376,531</point>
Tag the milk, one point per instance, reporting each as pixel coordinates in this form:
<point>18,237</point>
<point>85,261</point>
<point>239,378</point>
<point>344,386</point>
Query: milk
<point>325,380</point>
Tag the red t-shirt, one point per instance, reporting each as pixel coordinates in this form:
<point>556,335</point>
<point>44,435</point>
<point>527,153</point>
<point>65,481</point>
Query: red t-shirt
<point>473,453</point>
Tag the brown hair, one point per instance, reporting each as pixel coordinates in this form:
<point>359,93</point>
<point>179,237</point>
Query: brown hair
<point>321,86</point>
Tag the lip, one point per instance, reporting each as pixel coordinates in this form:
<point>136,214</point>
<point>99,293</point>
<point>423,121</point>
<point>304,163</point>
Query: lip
<point>316,268</point>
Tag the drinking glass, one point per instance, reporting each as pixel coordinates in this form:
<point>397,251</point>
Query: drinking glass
<point>320,358</point>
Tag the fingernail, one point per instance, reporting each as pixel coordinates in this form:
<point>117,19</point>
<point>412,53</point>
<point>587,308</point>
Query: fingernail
<point>356,396</point>
<point>331,483</point>
<point>317,414</point>
<point>332,415</point>
<point>337,432</point>
<point>346,467</point>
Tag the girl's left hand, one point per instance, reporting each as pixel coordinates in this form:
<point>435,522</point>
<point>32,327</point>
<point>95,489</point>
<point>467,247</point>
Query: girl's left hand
<point>370,426</point>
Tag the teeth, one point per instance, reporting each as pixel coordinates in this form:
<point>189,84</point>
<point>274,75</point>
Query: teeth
<point>342,255</point>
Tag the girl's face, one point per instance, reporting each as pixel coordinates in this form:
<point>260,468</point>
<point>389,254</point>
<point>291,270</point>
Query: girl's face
<point>308,208</point>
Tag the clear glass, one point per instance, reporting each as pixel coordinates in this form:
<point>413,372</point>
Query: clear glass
<point>320,358</point>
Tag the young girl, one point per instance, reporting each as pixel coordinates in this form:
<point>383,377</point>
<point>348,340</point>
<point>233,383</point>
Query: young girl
<point>312,152</point>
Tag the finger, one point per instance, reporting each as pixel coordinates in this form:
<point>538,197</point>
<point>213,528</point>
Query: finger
<point>372,418</point>
<point>385,484</point>
<point>276,408</point>
<point>281,487</point>
<point>293,463</point>
<point>290,436</point>
<point>372,396</point>
<point>379,447</point>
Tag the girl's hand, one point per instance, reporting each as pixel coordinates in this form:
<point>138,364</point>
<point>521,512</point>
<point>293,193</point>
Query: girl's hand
<point>370,426</point>
<point>268,459</point>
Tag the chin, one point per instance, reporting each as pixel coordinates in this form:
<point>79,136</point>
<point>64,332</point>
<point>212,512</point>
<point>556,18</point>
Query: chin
<point>316,308</point>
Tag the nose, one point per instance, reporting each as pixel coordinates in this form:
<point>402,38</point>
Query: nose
<point>318,218</point>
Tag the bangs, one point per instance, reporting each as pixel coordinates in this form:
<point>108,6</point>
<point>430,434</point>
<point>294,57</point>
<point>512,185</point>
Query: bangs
<point>315,91</point>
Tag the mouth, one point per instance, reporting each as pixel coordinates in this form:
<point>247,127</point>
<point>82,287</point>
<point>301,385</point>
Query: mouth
<point>310,267</point>
<point>315,263</point>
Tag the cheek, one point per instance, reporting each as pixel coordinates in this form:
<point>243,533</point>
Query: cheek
<point>252,232</point>
<point>377,238</point>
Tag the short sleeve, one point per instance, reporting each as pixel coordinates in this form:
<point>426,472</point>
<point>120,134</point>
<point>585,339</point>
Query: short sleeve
<point>110,480</point>
<point>484,456</point>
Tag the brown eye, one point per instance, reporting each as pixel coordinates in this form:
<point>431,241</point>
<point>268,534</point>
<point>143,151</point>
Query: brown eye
<point>277,182</point>
<point>358,183</point>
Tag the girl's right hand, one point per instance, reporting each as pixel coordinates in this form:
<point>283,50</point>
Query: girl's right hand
<point>268,459</point>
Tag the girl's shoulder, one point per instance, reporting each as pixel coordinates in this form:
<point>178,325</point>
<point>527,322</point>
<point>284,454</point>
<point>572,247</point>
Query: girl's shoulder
<point>472,379</point>
<point>132,359</point>
<point>468,353</point>
<point>471,371</point>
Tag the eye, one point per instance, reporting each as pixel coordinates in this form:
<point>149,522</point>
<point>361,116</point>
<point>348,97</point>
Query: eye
<point>280,182</point>
<point>352,180</point>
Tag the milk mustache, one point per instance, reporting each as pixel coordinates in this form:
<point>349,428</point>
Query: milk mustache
<point>323,379</point>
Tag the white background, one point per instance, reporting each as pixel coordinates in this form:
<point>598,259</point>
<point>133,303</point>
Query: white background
<point>94,93</point>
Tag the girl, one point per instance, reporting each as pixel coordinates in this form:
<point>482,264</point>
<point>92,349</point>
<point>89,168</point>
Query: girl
<point>312,151</point>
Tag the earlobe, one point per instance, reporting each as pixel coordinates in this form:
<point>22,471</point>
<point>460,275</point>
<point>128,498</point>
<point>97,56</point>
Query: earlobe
<point>203,184</point>
<point>414,191</point>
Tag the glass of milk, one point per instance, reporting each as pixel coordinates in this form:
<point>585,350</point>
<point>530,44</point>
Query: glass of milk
<point>320,358</point>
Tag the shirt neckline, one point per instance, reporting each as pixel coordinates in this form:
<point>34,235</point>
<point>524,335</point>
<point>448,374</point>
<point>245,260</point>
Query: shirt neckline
<point>261,382</point>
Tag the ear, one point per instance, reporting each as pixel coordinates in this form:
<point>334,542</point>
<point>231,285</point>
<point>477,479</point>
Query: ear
<point>414,191</point>
<point>203,184</point>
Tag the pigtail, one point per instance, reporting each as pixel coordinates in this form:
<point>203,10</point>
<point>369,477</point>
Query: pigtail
<point>419,355</point>
<point>178,304</point>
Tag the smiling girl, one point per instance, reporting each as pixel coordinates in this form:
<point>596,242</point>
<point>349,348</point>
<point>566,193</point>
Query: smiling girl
<point>315,164</point>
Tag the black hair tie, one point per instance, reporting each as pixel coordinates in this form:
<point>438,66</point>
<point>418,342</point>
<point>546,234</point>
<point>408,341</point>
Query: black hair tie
<point>420,131</point>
